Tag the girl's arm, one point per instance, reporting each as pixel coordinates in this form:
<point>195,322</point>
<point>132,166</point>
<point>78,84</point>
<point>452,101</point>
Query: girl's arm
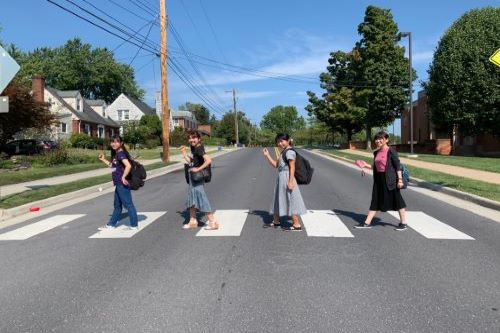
<point>206,162</point>
<point>185,155</point>
<point>128,167</point>
<point>269,158</point>
<point>291,178</point>
<point>103,159</point>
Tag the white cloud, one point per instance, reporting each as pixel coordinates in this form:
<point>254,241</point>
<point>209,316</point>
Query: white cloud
<point>422,57</point>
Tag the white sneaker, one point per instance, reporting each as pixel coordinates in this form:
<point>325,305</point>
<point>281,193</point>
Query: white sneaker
<point>106,227</point>
<point>133,228</point>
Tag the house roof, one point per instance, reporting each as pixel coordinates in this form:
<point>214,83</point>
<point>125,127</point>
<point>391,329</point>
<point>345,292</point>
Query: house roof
<point>67,93</point>
<point>88,114</point>
<point>95,102</point>
<point>182,114</point>
<point>146,109</point>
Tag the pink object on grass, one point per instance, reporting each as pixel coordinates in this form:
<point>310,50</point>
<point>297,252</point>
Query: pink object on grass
<point>360,163</point>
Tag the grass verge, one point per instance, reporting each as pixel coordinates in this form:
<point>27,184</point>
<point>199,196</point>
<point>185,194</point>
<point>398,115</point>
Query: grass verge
<point>52,191</point>
<point>35,173</point>
<point>482,189</point>
<point>477,163</point>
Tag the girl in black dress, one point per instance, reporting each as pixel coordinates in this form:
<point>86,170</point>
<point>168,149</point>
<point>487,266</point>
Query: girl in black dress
<point>387,183</point>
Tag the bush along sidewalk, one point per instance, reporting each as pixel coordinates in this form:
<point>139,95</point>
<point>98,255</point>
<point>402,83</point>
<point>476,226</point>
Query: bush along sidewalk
<point>476,187</point>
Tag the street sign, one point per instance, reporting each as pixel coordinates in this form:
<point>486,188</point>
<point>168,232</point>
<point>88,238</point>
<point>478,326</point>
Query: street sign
<point>8,68</point>
<point>495,58</point>
<point>4,104</point>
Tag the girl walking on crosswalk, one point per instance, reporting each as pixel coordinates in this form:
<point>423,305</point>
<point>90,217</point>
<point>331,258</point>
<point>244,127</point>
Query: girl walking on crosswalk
<point>120,169</point>
<point>287,200</point>
<point>197,199</point>
<point>387,182</point>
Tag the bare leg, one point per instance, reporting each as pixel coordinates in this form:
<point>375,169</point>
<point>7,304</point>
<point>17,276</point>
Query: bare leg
<point>193,223</point>
<point>276,219</point>
<point>212,223</point>
<point>402,215</point>
<point>370,216</point>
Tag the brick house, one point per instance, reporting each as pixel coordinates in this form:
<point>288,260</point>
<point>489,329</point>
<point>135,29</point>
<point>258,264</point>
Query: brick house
<point>427,139</point>
<point>73,113</point>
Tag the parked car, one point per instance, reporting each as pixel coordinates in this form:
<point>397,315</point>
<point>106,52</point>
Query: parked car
<point>28,147</point>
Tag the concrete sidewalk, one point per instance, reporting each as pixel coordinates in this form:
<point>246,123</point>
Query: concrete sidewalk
<point>485,176</point>
<point>46,182</point>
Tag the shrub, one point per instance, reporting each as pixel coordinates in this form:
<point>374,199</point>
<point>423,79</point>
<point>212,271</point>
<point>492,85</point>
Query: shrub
<point>79,140</point>
<point>151,143</point>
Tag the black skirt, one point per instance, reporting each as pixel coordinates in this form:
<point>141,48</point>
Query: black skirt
<point>383,199</point>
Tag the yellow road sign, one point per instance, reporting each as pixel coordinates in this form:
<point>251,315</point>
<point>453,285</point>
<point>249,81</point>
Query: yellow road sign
<point>495,58</point>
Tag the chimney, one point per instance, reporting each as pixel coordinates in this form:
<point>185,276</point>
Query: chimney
<point>38,87</point>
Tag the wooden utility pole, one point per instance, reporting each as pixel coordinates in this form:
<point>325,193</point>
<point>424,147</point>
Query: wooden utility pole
<point>165,111</point>
<point>236,119</point>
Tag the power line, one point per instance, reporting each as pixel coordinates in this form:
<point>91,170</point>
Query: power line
<point>139,50</point>
<point>96,25</point>
<point>213,31</point>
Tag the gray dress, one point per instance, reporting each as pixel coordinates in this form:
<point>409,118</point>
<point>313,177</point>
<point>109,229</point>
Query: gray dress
<point>196,196</point>
<point>286,202</point>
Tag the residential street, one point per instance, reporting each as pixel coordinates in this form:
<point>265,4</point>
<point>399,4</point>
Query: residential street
<point>60,274</point>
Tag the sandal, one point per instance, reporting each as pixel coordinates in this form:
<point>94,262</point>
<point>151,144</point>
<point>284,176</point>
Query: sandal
<point>294,228</point>
<point>212,226</point>
<point>272,225</point>
<point>190,225</point>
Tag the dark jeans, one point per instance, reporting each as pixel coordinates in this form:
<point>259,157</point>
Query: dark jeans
<point>123,197</point>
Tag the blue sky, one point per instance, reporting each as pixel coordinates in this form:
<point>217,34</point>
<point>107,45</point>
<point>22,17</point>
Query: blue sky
<point>278,36</point>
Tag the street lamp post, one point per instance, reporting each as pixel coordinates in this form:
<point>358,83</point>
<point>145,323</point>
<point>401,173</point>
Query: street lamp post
<point>410,71</point>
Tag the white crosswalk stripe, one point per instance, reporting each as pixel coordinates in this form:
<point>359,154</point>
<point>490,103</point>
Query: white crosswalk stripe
<point>231,223</point>
<point>430,227</point>
<point>324,223</point>
<point>122,231</point>
<point>39,227</point>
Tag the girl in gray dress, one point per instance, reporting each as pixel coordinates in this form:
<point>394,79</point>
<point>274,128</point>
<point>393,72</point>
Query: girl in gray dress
<point>287,200</point>
<point>197,199</point>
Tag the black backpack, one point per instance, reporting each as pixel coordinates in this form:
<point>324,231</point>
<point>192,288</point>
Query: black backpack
<point>137,174</point>
<point>303,170</point>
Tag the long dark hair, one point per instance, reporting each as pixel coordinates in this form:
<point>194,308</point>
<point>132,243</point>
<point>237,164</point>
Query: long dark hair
<point>119,139</point>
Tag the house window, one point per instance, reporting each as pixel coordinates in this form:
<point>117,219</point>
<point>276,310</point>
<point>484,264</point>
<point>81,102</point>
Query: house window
<point>87,130</point>
<point>104,111</point>
<point>64,128</point>
<point>100,131</point>
<point>112,132</point>
<point>78,104</point>
<point>123,115</point>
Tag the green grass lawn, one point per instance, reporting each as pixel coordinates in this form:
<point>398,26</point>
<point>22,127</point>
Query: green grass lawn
<point>477,163</point>
<point>52,191</point>
<point>483,189</point>
<point>36,172</point>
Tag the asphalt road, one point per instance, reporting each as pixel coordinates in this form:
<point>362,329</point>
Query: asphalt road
<point>165,279</point>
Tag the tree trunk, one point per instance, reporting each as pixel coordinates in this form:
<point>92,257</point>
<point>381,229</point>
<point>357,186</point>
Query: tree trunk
<point>349,135</point>
<point>368,137</point>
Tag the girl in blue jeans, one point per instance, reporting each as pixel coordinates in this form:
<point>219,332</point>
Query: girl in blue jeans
<point>120,168</point>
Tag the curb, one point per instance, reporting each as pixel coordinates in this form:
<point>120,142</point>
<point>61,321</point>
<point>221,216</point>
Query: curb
<point>6,214</point>
<point>485,202</point>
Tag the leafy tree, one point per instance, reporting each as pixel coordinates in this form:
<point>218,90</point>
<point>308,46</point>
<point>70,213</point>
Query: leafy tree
<point>463,88</point>
<point>283,119</point>
<point>153,123</point>
<point>134,133</point>
<point>380,69</point>
<point>200,112</point>
<point>78,66</point>
<point>24,112</point>
<point>225,129</point>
